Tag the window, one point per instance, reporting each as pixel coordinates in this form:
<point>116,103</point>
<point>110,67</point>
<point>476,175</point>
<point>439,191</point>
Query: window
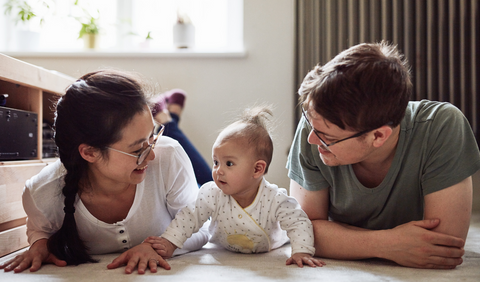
<point>124,25</point>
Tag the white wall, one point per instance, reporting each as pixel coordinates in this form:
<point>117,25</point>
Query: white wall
<point>220,88</point>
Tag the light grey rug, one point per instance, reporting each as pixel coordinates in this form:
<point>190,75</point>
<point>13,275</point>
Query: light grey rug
<point>216,264</point>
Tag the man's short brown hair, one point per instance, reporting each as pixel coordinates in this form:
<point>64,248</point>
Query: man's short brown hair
<point>364,87</point>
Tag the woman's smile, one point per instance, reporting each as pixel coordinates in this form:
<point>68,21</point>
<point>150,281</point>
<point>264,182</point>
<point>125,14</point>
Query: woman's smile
<point>141,169</point>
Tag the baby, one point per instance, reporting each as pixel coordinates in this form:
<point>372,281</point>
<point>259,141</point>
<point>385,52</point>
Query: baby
<point>248,214</point>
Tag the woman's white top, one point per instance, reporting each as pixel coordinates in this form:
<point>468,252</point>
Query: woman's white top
<point>169,185</point>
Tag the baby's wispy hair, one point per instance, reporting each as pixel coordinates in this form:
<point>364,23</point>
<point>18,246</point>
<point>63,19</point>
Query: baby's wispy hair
<point>255,132</point>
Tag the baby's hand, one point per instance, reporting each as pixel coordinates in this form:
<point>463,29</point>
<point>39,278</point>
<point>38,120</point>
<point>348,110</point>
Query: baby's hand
<point>303,258</point>
<point>162,246</point>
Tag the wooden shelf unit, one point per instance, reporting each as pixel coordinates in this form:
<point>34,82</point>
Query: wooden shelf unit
<point>34,89</point>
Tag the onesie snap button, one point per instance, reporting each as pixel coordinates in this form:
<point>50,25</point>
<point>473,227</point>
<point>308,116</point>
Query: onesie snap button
<point>239,216</point>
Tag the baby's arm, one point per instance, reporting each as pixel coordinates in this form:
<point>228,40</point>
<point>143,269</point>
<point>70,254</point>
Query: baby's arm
<point>187,222</point>
<point>302,258</point>
<point>299,229</point>
<point>162,246</point>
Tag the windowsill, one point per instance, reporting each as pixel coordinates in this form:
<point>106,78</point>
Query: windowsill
<point>147,53</point>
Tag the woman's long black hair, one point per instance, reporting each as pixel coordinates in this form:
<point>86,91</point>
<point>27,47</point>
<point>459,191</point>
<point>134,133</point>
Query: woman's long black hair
<point>93,111</point>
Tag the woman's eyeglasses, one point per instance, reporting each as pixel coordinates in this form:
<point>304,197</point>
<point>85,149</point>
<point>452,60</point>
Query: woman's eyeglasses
<point>143,155</point>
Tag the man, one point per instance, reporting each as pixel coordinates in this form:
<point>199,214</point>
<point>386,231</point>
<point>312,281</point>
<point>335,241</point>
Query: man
<point>380,176</point>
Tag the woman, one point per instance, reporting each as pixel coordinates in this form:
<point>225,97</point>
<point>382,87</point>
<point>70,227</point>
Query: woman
<point>114,185</point>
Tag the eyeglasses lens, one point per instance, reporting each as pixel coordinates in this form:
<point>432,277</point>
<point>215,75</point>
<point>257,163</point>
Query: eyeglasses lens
<point>144,155</point>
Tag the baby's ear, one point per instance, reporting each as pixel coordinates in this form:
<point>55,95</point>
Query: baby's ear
<point>260,167</point>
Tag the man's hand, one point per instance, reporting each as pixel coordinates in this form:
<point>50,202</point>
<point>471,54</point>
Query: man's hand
<point>413,244</point>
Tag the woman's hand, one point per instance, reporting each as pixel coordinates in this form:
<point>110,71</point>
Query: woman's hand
<point>141,256</point>
<point>33,257</point>
<point>302,258</point>
<point>162,246</point>
<point>413,244</point>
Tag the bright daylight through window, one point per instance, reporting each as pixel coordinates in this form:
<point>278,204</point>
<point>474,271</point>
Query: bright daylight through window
<point>121,25</point>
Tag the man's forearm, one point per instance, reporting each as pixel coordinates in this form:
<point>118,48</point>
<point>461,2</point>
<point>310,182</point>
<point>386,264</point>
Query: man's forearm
<point>412,244</point>
<point>341,241</point>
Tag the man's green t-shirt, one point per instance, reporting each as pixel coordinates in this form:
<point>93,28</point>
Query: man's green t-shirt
<point>436,149</point>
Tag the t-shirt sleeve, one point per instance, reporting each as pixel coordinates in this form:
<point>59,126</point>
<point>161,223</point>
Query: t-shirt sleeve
<point>180,180</point>
<point>38,226</point>
<point>452,152</point>
<point>43,203</point>
<point>304,162</point>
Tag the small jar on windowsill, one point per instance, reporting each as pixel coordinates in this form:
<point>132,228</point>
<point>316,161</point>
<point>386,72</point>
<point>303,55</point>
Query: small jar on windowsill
<point>184,35</point>
<point>183,32</point>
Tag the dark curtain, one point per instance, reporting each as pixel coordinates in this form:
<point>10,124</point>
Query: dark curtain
<point>440,39</point>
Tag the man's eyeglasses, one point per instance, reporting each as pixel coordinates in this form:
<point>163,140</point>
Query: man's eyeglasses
<point>143,154</point>
<point>324,144</point>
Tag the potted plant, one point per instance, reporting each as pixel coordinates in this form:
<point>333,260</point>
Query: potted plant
<point>23,12</point>
<point>89,32</point>
<point>146,44</point>
<point>90,28</point>
<point>27,16</point>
